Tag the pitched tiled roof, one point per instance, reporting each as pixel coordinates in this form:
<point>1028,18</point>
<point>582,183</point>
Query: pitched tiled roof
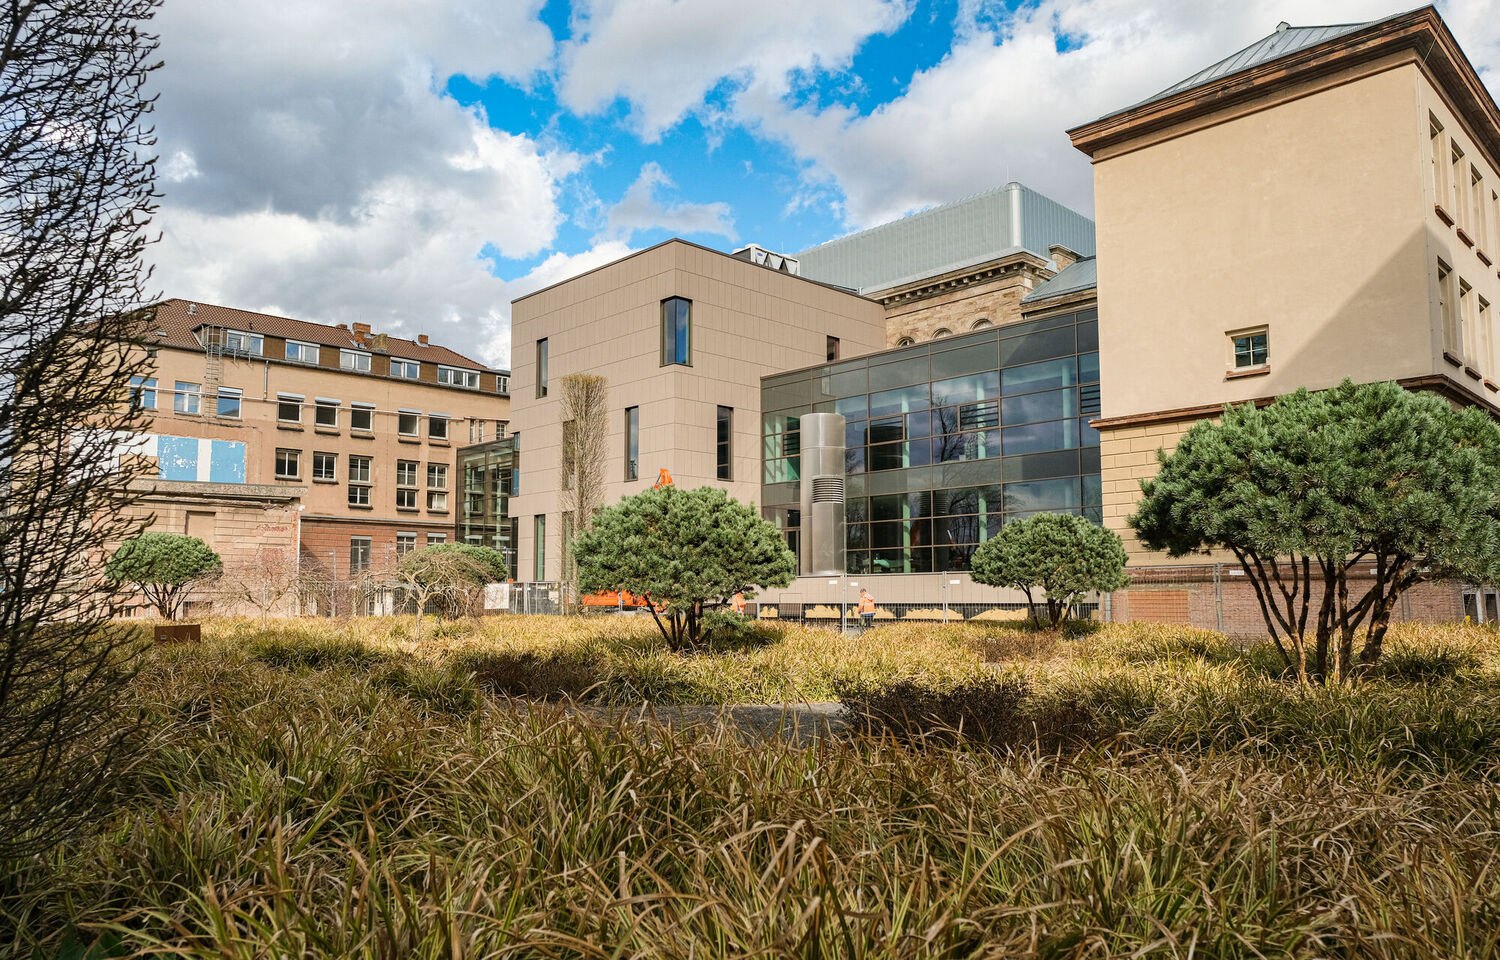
<point>1285,41</point>
<point>179,319</point>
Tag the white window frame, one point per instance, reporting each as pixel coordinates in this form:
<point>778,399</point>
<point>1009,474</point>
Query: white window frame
<point>249,344</point>
<point>458,377</point>
<point>324,403</point>
<point>436,538</point>
<point>143,393</point>
<point>296,398</point>
<point>308,353</point>
<point>1233,335</point>
<point>405,539</point>
<point>402,363</point>
<point>416,430</point>
<point>182,392</point>
<point>295,459</point>
<point>331,458</point>
<point>357,361</point>
<point>433,419</point>
<point>437,476</point>
<point>369,410</point>
<point>239,403</point>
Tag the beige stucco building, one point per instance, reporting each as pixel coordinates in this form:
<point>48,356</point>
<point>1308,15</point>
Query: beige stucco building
<point>681,398</point>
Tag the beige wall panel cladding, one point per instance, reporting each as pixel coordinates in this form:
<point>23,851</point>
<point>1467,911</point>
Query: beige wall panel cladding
<point>1308,216</point>
<point>747,322</point>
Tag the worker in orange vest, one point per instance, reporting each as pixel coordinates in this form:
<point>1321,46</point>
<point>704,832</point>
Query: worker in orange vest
<point>866,607</point>
<point>739,603</point>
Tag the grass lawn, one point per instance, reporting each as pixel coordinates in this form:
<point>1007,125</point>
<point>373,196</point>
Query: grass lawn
<point>366,789</point>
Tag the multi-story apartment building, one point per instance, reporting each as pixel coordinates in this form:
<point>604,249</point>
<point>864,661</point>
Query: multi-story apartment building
<point>1339,190</point>
<point>333,447</point>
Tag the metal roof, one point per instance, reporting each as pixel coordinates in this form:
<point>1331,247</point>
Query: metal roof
<point>983,227</point>
<point>1073,278</point>
<point>1286,40</point>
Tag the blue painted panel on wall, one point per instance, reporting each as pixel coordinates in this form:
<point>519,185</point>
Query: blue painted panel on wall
<point>227,462</point>
<point>177,458</point>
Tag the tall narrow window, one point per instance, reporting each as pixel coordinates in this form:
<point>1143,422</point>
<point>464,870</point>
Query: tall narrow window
<point>1447,311</point>
<point>724,432</point>
<point>833,349</point>
<point>539,547</point>
<point>1435,150</point>
<point>541,367</point>
<point>676,332</point>
<point>1466,320</point>
<point>632,443</point>
<point>359,481</point>
<point>1485,334</point>
<point>1457,181</point>
<point>1478,200</point>
<point>359,554</point>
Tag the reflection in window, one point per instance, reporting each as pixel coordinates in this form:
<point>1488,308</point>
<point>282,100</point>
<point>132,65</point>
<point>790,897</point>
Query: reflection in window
<point>676,332</point>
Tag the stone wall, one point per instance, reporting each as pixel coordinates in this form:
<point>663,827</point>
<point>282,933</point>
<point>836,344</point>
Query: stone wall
<point>956,301</point>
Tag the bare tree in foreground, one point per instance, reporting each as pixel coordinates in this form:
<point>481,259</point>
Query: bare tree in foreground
<point>585,398</point>
<point>78,181</point>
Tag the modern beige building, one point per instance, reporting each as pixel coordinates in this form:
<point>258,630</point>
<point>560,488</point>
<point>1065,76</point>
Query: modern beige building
<point>353,434</point>
<point>682,334</point>
<point>1335,193</point>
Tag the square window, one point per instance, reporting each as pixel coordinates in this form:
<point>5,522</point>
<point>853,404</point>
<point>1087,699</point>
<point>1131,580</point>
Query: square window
<point>143,393</point>
<point>361,417</point>
<point>405,543</point>
<point>288,408</point>
<point>299,352</point>
<point>406,498</point>
<point>326,413</point>
<point>437,426</point>
<point>408,423</point>
<point>324,466</point>
<point>406,369</point>
<point>288,464</point>
<point>437,501</point>
<point>354,360</point>
<point>359,495</point>
<point>1251,349</point>
<point>186,397</point>
<point>227,403</point>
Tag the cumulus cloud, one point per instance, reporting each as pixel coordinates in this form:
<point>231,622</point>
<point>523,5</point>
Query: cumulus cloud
<point>664,57</point>
<point>997,106</point>
<point>643,208</point>
<point>314,166</point>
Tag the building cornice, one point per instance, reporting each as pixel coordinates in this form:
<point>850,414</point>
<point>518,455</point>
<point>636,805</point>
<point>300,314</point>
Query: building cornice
<point>1421,32</point>
<point>175,490</point>
<point>1020,262</point>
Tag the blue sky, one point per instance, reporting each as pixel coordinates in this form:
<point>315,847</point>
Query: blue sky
<point>418,164</point>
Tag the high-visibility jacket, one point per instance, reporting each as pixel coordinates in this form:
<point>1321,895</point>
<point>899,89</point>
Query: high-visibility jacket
<point>866,603</point>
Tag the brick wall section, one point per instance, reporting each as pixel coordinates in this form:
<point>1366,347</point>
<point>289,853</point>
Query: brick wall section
<point>1127,455</point>
<point>998,301</point>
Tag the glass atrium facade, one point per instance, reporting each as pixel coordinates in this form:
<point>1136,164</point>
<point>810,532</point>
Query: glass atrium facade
<point>947,440</point>
<point>489,481</point>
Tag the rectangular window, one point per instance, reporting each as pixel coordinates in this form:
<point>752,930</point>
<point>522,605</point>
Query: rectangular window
<point>476,431</point>
<point>143,393</point>
<point>1251,349</point>
<point>288,464</point>
<point>1466,320</point>
<point>724,428</point>
<point>437,476</point>
<point>405,543</point>
<point>502,384</point>
<point>186,397</point>
<point>355,360</point>
<point>406,498</point>
<point>289,407</point>
<point>324,465</point>
<point>1458,182</point>
<point>541,367</point>
<point>833,349</point>
<point>676,332</point>
<point>227,403</point>
<point>1435,147</point>
<point>437,501</point>
<point>539,547</point>
<point>243,344</point>
<point>408,422</point>
<point>1478,198</point>
<point>359,554</point>
<point>406,473</point>
<point>458,377</point>
<point>406,369</point>
<point>437,426</point>
<point>1485,334</point>
<point>359,481</point>
<point>632,443</point>
<point>326,413</point>
<point>361,417</point>
<point>1447,311</point>
<point>299,352</point>
<point>436,538</point>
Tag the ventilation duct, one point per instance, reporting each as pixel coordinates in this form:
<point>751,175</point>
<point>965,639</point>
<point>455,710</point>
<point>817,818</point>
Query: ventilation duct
<point>822,541</point>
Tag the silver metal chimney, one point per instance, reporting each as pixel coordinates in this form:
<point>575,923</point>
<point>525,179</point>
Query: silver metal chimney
<point>822,542</point>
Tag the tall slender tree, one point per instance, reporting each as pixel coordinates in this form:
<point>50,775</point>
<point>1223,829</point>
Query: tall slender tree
<point>585,398</point>
<point>77,190</point>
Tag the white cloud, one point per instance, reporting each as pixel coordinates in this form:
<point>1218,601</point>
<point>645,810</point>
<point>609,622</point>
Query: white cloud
<point>997,106</point>
<point>664,57</point>
<point>643,208</point>
<point>316,168</point>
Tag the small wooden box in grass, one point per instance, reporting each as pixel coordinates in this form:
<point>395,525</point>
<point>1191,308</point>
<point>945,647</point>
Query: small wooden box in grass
<point>179,632</point>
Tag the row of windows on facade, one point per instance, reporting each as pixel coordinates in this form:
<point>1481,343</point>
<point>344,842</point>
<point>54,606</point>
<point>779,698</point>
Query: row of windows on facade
<point>245,344</point>
<point>361,549</point>
<point>1458,184</point>
<point>228,402</point>
<point>1468,323</point>
<point>723,443</point>
<point>983,323</point>
<point>676,341</point>
<point>360,479</point>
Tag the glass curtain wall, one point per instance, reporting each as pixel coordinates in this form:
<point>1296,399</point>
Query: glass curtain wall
<point>489,481</point>
<point>946,441</point>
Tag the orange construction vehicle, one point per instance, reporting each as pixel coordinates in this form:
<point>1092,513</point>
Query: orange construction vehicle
<point>622,599</point>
